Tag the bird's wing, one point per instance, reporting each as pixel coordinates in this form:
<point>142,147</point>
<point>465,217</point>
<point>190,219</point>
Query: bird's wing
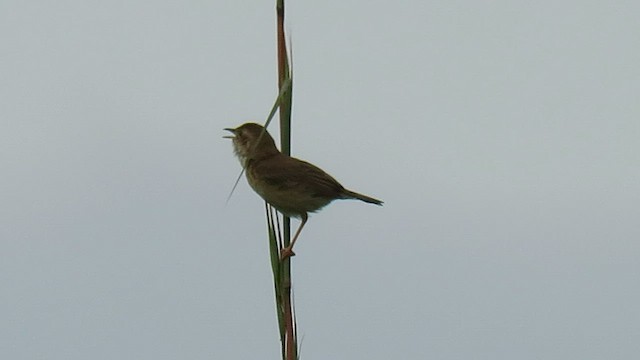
<point>293,174</point>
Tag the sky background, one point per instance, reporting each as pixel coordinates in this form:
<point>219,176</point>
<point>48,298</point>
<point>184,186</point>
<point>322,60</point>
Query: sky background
<point>503,137</point>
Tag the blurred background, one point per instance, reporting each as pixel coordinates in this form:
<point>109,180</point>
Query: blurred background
<point>502,136</point>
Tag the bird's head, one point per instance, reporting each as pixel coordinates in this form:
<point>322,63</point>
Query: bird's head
<point>251,141</point>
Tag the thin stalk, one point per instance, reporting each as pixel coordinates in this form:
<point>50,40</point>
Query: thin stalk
<point>282,270</point>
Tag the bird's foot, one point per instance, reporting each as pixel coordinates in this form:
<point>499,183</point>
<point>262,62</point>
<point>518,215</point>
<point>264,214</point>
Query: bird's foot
<point>286,253</point>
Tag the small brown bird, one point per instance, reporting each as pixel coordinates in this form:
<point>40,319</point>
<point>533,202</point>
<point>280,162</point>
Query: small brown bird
<point>294,187</point>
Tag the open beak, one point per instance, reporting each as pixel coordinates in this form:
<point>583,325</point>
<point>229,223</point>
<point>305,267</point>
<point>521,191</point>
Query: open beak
<point>230,136</point>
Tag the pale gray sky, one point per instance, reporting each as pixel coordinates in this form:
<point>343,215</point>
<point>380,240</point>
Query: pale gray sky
<point>502,136</point>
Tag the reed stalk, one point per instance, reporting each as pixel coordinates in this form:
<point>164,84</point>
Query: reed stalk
<point>280,236</point>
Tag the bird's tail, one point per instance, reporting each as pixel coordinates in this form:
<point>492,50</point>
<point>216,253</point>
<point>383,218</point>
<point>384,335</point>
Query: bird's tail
<point>348,194</point>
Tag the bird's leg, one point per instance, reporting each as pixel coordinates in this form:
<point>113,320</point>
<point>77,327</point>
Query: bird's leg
<point>288,251</point>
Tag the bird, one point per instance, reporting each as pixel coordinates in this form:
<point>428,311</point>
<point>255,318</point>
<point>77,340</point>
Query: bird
<point>294,187</point>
